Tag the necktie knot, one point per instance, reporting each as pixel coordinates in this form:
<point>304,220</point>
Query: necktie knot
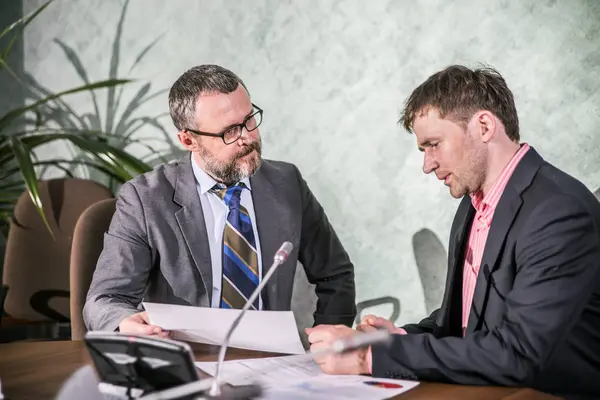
<point>230,195</point>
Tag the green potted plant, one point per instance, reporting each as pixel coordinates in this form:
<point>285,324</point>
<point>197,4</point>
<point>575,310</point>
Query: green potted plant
<point>48,118</point>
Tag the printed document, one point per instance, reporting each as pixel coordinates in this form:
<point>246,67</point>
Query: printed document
<point>271,331</point>
<point>299,377</point>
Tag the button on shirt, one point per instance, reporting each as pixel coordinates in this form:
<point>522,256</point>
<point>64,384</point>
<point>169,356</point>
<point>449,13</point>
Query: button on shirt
<point>215,216</point>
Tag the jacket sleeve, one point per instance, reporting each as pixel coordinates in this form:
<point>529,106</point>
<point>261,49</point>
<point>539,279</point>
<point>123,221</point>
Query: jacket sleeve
<point>557,262</point>
<point>326,263</point>
<point>123,268</point>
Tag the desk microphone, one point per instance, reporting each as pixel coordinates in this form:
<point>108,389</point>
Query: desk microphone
<point>358,341</point>
<point>280,256</point>
<point>213,386</point>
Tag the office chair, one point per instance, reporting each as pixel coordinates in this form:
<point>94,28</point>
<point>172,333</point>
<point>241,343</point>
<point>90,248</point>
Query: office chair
<point>36,264</point>
<point>88,240</point>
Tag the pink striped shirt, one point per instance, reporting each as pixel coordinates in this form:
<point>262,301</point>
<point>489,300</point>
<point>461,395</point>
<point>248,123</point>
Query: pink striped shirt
<point>484,212</point>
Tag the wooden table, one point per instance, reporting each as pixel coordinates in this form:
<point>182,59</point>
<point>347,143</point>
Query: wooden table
<point>36,370</point>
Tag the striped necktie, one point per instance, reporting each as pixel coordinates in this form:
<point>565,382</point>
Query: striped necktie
<point>240,260</point>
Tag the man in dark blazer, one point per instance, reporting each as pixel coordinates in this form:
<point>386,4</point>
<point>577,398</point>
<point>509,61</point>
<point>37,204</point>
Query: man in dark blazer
<point>203,231</point>
<point>522,299</point>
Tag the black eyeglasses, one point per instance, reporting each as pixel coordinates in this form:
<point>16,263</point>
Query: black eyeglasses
<point>234,132</point>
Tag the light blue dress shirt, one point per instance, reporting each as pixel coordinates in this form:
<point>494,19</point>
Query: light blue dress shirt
<point>215,216</point>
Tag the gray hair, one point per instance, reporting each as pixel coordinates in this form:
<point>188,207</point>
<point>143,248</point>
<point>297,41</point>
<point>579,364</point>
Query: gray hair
<point>202,79</point>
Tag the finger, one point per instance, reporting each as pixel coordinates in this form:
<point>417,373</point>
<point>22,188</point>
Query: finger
<point>319,336</point>
<point>142,329</point>
<point>144,317</point>
<point>157,330</point>
<point>315,328</point>
<point>368,319</point>
<point>366,328</point>
<point>164,334</point>
<point>318,346</point>
<point>379,322</point>
<point>151,330</point>
<point>318,333</point>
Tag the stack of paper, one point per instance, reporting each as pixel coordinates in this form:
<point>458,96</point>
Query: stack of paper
<point>271,331</point>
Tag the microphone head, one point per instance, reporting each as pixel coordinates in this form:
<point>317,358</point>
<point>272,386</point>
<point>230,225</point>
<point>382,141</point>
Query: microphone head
<point>360,341</point>
<point>284,252</point>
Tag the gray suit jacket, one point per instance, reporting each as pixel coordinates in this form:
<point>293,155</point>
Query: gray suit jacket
<point>535,315</point>
<point>157,250</point>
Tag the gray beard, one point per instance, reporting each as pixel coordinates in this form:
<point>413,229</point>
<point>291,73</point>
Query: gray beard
<point>231,172</point>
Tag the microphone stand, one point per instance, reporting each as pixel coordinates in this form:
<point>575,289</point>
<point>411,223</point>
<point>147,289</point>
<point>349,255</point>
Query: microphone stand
<point>280,257</point>
<point>199,388</point>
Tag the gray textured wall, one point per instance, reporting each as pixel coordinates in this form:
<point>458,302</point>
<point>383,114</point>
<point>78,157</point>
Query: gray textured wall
<point>332,76</point>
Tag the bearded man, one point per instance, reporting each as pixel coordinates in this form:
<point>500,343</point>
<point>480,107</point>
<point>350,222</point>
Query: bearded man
<point>203,231</point>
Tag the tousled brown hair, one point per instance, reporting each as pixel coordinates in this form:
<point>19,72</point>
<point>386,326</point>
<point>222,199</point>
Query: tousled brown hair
<point>457,92</point>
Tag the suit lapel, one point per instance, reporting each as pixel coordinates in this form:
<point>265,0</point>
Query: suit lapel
<point>504,215</point>
<point>190,219</point>
<point>452,302</point>
<point>270,227</point>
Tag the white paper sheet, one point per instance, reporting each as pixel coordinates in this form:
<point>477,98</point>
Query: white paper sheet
<point>266,370</point>
<point>299,377</point>
<point>272,331</point>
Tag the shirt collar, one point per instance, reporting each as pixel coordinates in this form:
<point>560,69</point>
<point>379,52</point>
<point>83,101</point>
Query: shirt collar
<point>487,204</point>
<point>205,181</point>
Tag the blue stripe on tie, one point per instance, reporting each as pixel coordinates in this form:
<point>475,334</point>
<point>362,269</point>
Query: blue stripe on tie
<point>242,283</point>
<point>245,229</point>
<point>240,264</point>
<point>229,193</point>
<point>245,218</point>
<point>237,278</point>
<point>227,196</point>
<point>224,305</point>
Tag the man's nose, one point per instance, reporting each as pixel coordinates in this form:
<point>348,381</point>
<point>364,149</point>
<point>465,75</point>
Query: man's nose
<point>429,163</point>
<point>246,137</point>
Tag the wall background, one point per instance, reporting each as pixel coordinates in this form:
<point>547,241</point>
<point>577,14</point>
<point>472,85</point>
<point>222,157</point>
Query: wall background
<point>332,77</point>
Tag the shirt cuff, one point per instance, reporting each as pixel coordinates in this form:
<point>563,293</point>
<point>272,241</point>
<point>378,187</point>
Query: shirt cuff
<point>397,331</point>
<point>370,360</point>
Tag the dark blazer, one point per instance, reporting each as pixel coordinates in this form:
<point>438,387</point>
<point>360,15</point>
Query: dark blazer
<point>157,249</point>
<point>535,316</point>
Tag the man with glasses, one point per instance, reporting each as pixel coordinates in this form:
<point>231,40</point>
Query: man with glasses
<point>204,230</point>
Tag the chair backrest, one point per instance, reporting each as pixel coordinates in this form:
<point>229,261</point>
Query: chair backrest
<point>36,265</point>
<point>88,241</point>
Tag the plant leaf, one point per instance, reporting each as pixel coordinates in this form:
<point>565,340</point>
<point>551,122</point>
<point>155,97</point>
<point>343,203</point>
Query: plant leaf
<point>111,105</point>
<point>137,61</point>
<point>143,53</point>
<point>114,158</point>
<point>131,107</point>
<point>20,23</point>
<point>12,115</point>
<point>78,65</point>
<point>90,164</point>
<point>23,158</point>
<point>153,121</point>
<point>62,113</point>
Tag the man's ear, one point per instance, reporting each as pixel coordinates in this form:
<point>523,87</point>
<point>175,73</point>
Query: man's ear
<point>486,125</point>
<point>187,141</point>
